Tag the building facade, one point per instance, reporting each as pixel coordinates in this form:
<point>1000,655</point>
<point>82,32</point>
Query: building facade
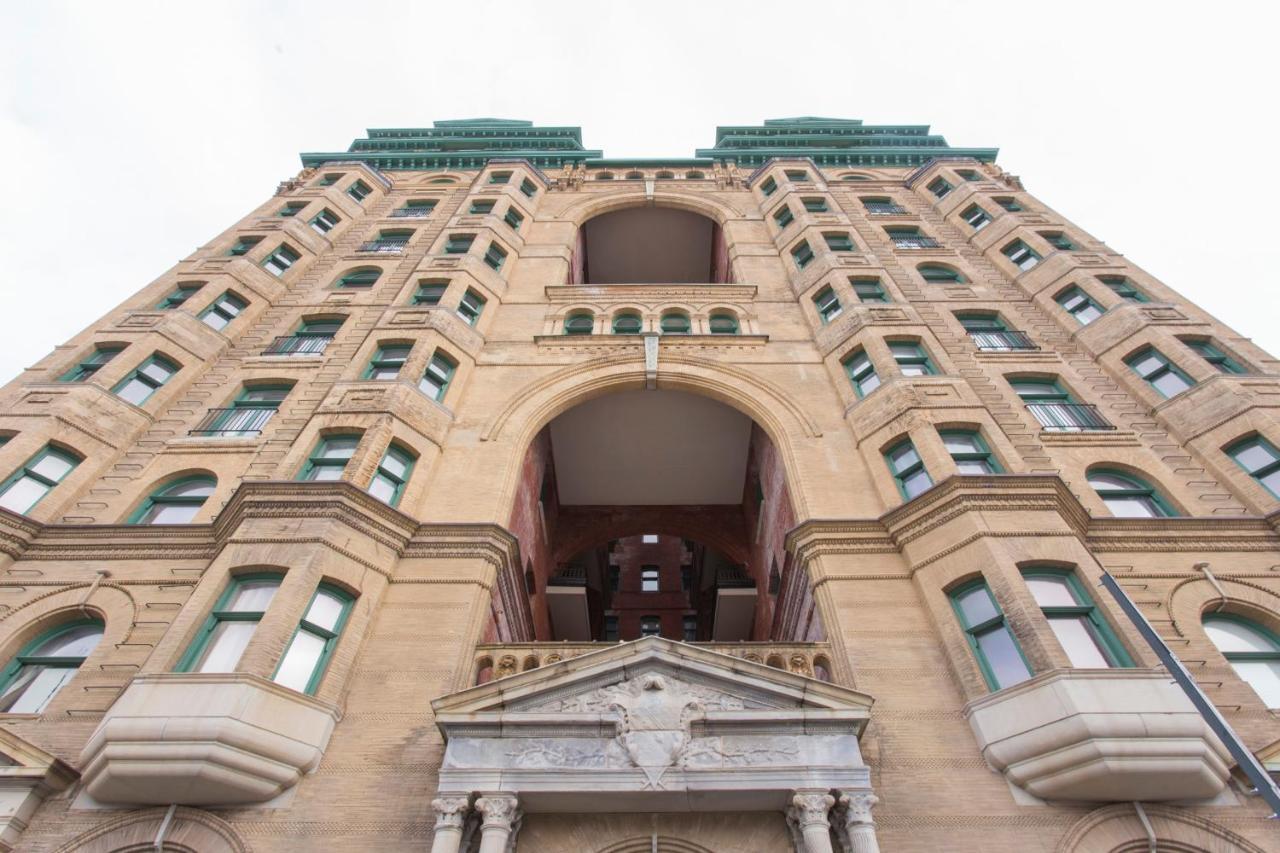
<point>479,492</point>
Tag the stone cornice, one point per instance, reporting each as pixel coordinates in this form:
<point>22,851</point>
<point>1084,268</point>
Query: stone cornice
<point>650,293</point>
<point>492,542</point>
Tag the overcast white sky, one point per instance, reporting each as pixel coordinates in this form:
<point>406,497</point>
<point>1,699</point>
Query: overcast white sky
<point>133,132</point>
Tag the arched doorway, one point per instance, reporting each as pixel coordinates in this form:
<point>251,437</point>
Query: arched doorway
<point>649,245</point>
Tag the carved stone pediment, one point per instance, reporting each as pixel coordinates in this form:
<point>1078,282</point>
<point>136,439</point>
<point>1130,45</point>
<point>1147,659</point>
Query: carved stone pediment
<point>653,725</point>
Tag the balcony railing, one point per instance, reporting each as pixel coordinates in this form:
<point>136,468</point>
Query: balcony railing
<point>412,213</point>
<point>384,247</point>
<point>914,242</point>
<point>569,576</point>
<point>885,210</point>
<point>1007,341</point>
<point>233,421</point>
<point>298,345</point>
<point>1069,417</point>
<point>734,577</point>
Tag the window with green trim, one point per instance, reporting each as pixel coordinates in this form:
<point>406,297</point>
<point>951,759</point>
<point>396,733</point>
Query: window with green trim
<point>279,261</point>
<point>976,217</point>
<point>459,244</point>
<point>783,217</point>
<point>1252,650</point>
<point>1128,496</point>
<point>1078,304</point>
<point>1123,287</point>
<point>387,361</point>
<point>1217,359</point>
<point>417,208</point>
<point>802,254</point>
<point>939,187</point>
<point>828,304</point>
<point>436,379</point>
<point>869,290</point>
<point>1058,240</point>
<point>769,186</point>
<point>1009,203</point>
<point>627,324</point>
<point>993,644</point>
<point>970,453</point>
<point>180,294</point>
<point>528,187</point>
<point>911,358</point>
<point>1075,620</point>
<point>471,306</point>
<point>145,379</point>
<point>1022,255</point>
<point>330,457</point>
<point>359,190</point>
<point>513,217</point>
<point>981,322</point>
<point>815,204</point>
<point>908,469</point>
<point>495,256</point>
<point>723,323</point>
<point>482,206</point>
<point>862,373</point>
<point>580,323</point>
<point>293,208</point>
<point>25,487</point>
<point>87,367</point>
<point>969,174</point>
<point>305,660</point>
<point>176,503</point>
<point>45,665</point>
<point>325,221</point>
<point>675,323</point>
<point>230,626</point>
<point>799,175</point>
<point>837,242</point>
<point>360,278</point>
<point>1159,372</point>
<point>498,178</point>
<point>248,412</point>
<point>243,245</point>
<point>939,274</point>
<point>393,473</point>
<point>330,178</point>
<point>430,292</point>
<point>222,311</point>
<point>1261,459</point>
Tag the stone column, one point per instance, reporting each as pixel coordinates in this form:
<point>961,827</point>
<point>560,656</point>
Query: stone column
<point>501,815</point>
<point>451,814</point>
<point>860,830</point>
<point>809,809</point>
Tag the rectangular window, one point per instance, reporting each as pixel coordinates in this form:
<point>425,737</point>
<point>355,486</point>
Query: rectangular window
<point>223,310</point>
<point>324,221</point>
<point>330,178</point>
<point>862,373</point>
<point>471,306</point>
<point>993,644</point>
<point>91,365</point>
<point>970,452</point>
<point>969,174</point>
<point>1123,288</point>
<point>359,190</point>
<point>293,208</point>
<point>1054,408</point>
<point>243,245</point>
<point>802,254</point>
<point>869,290</point>
<point>769,187</point>
<point>939,187</point>
<point>648,578</point>
<point>459,244</point>
<point>415,209</point>
<point>828,304</point>
<point>838,242</point>
<point>610,628</point>
<point>179,295</point>
<point>815,205</point>
<point>247,414</point>
<point>279,261</point>
<point>1009,204</point>
<point>26,486</point>
<point>690,626</point>
<point>495,255</point>
<point>976,217</point>
<point>1022,255</point>
<point>227,631</point>
<point>1058,240</point>
<point>312,338</point>
<point>513,217</point>
<point>883,207</point>
<point>686,578</point>
<point>436,379</point>
<point>796,175</point>
<point>529,188</point>
<point>615,574</point>
<point>307,656</point>
<point>1078,304</point>
<point>911,358</point>
<point>1159,372</point>
<point>393,473</point>
<point>908,469</point>
<point>1261,459</point>
<point>387,361</point>
<point>498,178</point>
<point>911,238</point>
<point>482,206</point>
<point>390,242</point>
<point>430,292</point>
<point>650,626</point>
<point>782,216</point>
<point>143,382</point>
<point>329,459</point>
<point>1075,621</point>
<point>1219,360</point>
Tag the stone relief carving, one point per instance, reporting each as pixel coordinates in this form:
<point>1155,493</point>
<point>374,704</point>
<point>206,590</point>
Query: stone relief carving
<point>604,698</point>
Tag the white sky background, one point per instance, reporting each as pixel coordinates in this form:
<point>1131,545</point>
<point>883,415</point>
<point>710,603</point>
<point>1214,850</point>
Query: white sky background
<point>133,133</point>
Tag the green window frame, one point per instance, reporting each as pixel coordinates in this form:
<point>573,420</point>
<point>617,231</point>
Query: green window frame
<point>87,367</point>
<point>513,217</point>
<point>278,262</point>
<point>179,295</point>
<point>802,254</point>
<point>359,190</point>
<point>44,666</point>
<point>28,485</point>
<point>146,379</point>
<point>1021,255</point>
<point>328,461</point>
<point>360,278</point>
<point>529,188</point>
<point>392,475</point>
<point>231,624</point>
<point>839,242</point>
<point>387,361</point>
<point>499,178</point>
<point>249,411</point>
<point>176,503</point>
<point>768,187</point>
<point>292,208</point>
<point>222,311</point>
<point>482,206</point>
<point>325,221</point>
<point>976,217</point>
<point>970,452</point>
<point>438,376</point>
<point>869,290</point>
<point>722,323</point>
<point>940,187</point>
<point>1058,240</point>
<point>911,358</point>
<point>828,304</point>
<point>815,204</point>
<point>1260,459</point>
<point>968,174</point>
<point>1253,651</point>
<point>861,372</point>
<point>330,178</point>
<point>1075,620</point>
<point>1009,203</point>
<point>992,643</point>
<point>939,274</point>
<point>471,306</point>
<point>799,175</point>
<point>783,217</point>
<point>430,292</point>
<point>1123,287</point>
<point>459,244</point>
<point>1127,496</point>
<point>1217,359</point>
<point>907,469</point>
<point>417,208</point>
<point>1079,304</point>
<point>306,658</point>
<point>1158,372</point>
<point>980,323</point>
<point>495,256</point>
<point>243,245</point>
<point>627,323</point>
<point>675,323</point>
<point>580,323</point>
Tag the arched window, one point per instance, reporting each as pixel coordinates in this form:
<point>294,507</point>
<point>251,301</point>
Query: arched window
<point>1127,496</point>
<point>675,323</point>
<point>580,323</point>
<point>665,176</point>
<point>227,631</point>
<point>723,323</point>
<point>694,175</point>
<point>940,274</point>
<point>635,176</point>
<point>360,278</point>
<point>39,671</point>
<point>176,503</point>
<point>1252,651</point>
<point>604,176</point>
<point>307,657</point>
<point>626,324</point>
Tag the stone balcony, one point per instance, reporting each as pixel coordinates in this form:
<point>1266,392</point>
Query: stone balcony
<point>1100,735</point>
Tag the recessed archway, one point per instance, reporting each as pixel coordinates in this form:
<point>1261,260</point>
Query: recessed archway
<point>650,244</point>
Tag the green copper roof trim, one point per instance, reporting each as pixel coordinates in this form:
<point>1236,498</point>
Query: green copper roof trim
<point>847,156</point>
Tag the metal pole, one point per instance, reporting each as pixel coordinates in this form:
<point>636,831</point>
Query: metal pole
<point>1248,762</point>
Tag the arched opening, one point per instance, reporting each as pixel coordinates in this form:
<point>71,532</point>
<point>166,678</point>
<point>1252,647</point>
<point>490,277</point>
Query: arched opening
<point>658,512</point>
<point>650,245</point>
